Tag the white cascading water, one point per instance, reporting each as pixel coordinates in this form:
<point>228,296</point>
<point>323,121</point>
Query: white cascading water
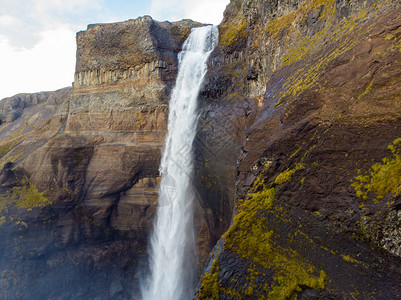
<point>173,251</point>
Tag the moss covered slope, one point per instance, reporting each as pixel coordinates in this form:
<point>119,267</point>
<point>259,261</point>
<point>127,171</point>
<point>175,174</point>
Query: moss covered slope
<point>325,80</point>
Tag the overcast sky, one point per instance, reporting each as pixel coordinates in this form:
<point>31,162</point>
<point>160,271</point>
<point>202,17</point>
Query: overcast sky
<point>37,37</point>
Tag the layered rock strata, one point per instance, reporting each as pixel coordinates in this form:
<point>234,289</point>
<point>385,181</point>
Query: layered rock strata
<point>81,166</point>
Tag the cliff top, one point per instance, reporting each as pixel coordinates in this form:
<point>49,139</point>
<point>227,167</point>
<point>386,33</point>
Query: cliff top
<point>124,45</point>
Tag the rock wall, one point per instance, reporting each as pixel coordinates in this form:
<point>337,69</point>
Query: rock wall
<point>316,211</point>
<point>13,107</point>
<point>81,172</point>
<point>297,158</point>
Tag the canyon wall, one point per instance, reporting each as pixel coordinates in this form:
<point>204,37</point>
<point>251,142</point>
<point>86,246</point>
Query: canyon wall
<point>318,169</point>
<point>81,166</point>
<point>297,174</point>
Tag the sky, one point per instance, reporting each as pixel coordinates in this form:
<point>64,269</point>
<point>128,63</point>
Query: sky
<point>37,37</point>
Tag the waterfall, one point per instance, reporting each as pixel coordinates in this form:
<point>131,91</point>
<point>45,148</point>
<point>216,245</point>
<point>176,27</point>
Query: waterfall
<point>172,253</point>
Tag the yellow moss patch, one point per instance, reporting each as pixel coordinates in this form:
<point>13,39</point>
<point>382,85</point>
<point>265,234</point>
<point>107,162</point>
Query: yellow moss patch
<point>209,288</point>
<point>28,197</point>
<point>233,293</point>
<point>390,37</point>
<point>367,90</point>
<point>349,258</point>
<point>234,31</point>
<point>6,148</point>
<point>245,234</point>
<point>250,238</point>
<point>140,119</point>
<point>284,177</point>
<point>396,47</point>
<point>279,24</point>
<point>3,203</point>
<point>342,34</point>
<point>287,174</point>
<point>382,178</point>
<point>22,223</point>
<point>285,22</point>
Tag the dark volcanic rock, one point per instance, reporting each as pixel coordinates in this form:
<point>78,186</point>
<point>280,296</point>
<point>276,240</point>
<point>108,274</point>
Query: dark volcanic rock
<point>322,80</point>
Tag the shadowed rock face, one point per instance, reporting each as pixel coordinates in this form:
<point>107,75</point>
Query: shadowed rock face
<point>320,82</point>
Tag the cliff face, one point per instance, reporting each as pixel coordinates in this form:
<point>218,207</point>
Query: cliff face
<point>80,177</point>
<point>298,138</point>
<point>318,171</point>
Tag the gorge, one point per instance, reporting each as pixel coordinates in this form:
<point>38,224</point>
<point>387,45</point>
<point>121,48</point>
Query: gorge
<point>296,158</point>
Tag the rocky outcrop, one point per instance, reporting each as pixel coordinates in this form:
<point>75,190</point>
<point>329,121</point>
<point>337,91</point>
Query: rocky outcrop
<point>318,170</point>
<point>13,107</point>
<point>111,54</point>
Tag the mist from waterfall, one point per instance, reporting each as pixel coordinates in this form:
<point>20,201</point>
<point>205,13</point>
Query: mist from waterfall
<point>172,246</point>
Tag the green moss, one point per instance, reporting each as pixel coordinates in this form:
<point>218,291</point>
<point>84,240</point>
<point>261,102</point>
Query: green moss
<point>2,220</point>
<point>382,178</point>
<point>6,147</point>
<point>209,288</point>
<point>285,22</point>
<point>343,35</point>
<point>250,238</point>
<point>28,197</point>
<point>287,174</point>
<point>233,32</point>
<point>349,258</point>
<point>390,37</point>
<point>367,90</point>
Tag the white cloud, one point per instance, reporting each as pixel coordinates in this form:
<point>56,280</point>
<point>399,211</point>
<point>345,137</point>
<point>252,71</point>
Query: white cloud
<point>49,65</point>
<point>22,21</point>
<point>206,11</point>
<point>171,10</point>
<point>7,21</point>
<point>44,6</point>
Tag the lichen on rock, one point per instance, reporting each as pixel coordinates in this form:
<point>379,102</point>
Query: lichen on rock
<point>382,178</point>
<point>251,238</point>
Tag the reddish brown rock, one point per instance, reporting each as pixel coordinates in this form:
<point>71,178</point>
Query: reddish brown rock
<point>324,78</point>
<point>95,153</point>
